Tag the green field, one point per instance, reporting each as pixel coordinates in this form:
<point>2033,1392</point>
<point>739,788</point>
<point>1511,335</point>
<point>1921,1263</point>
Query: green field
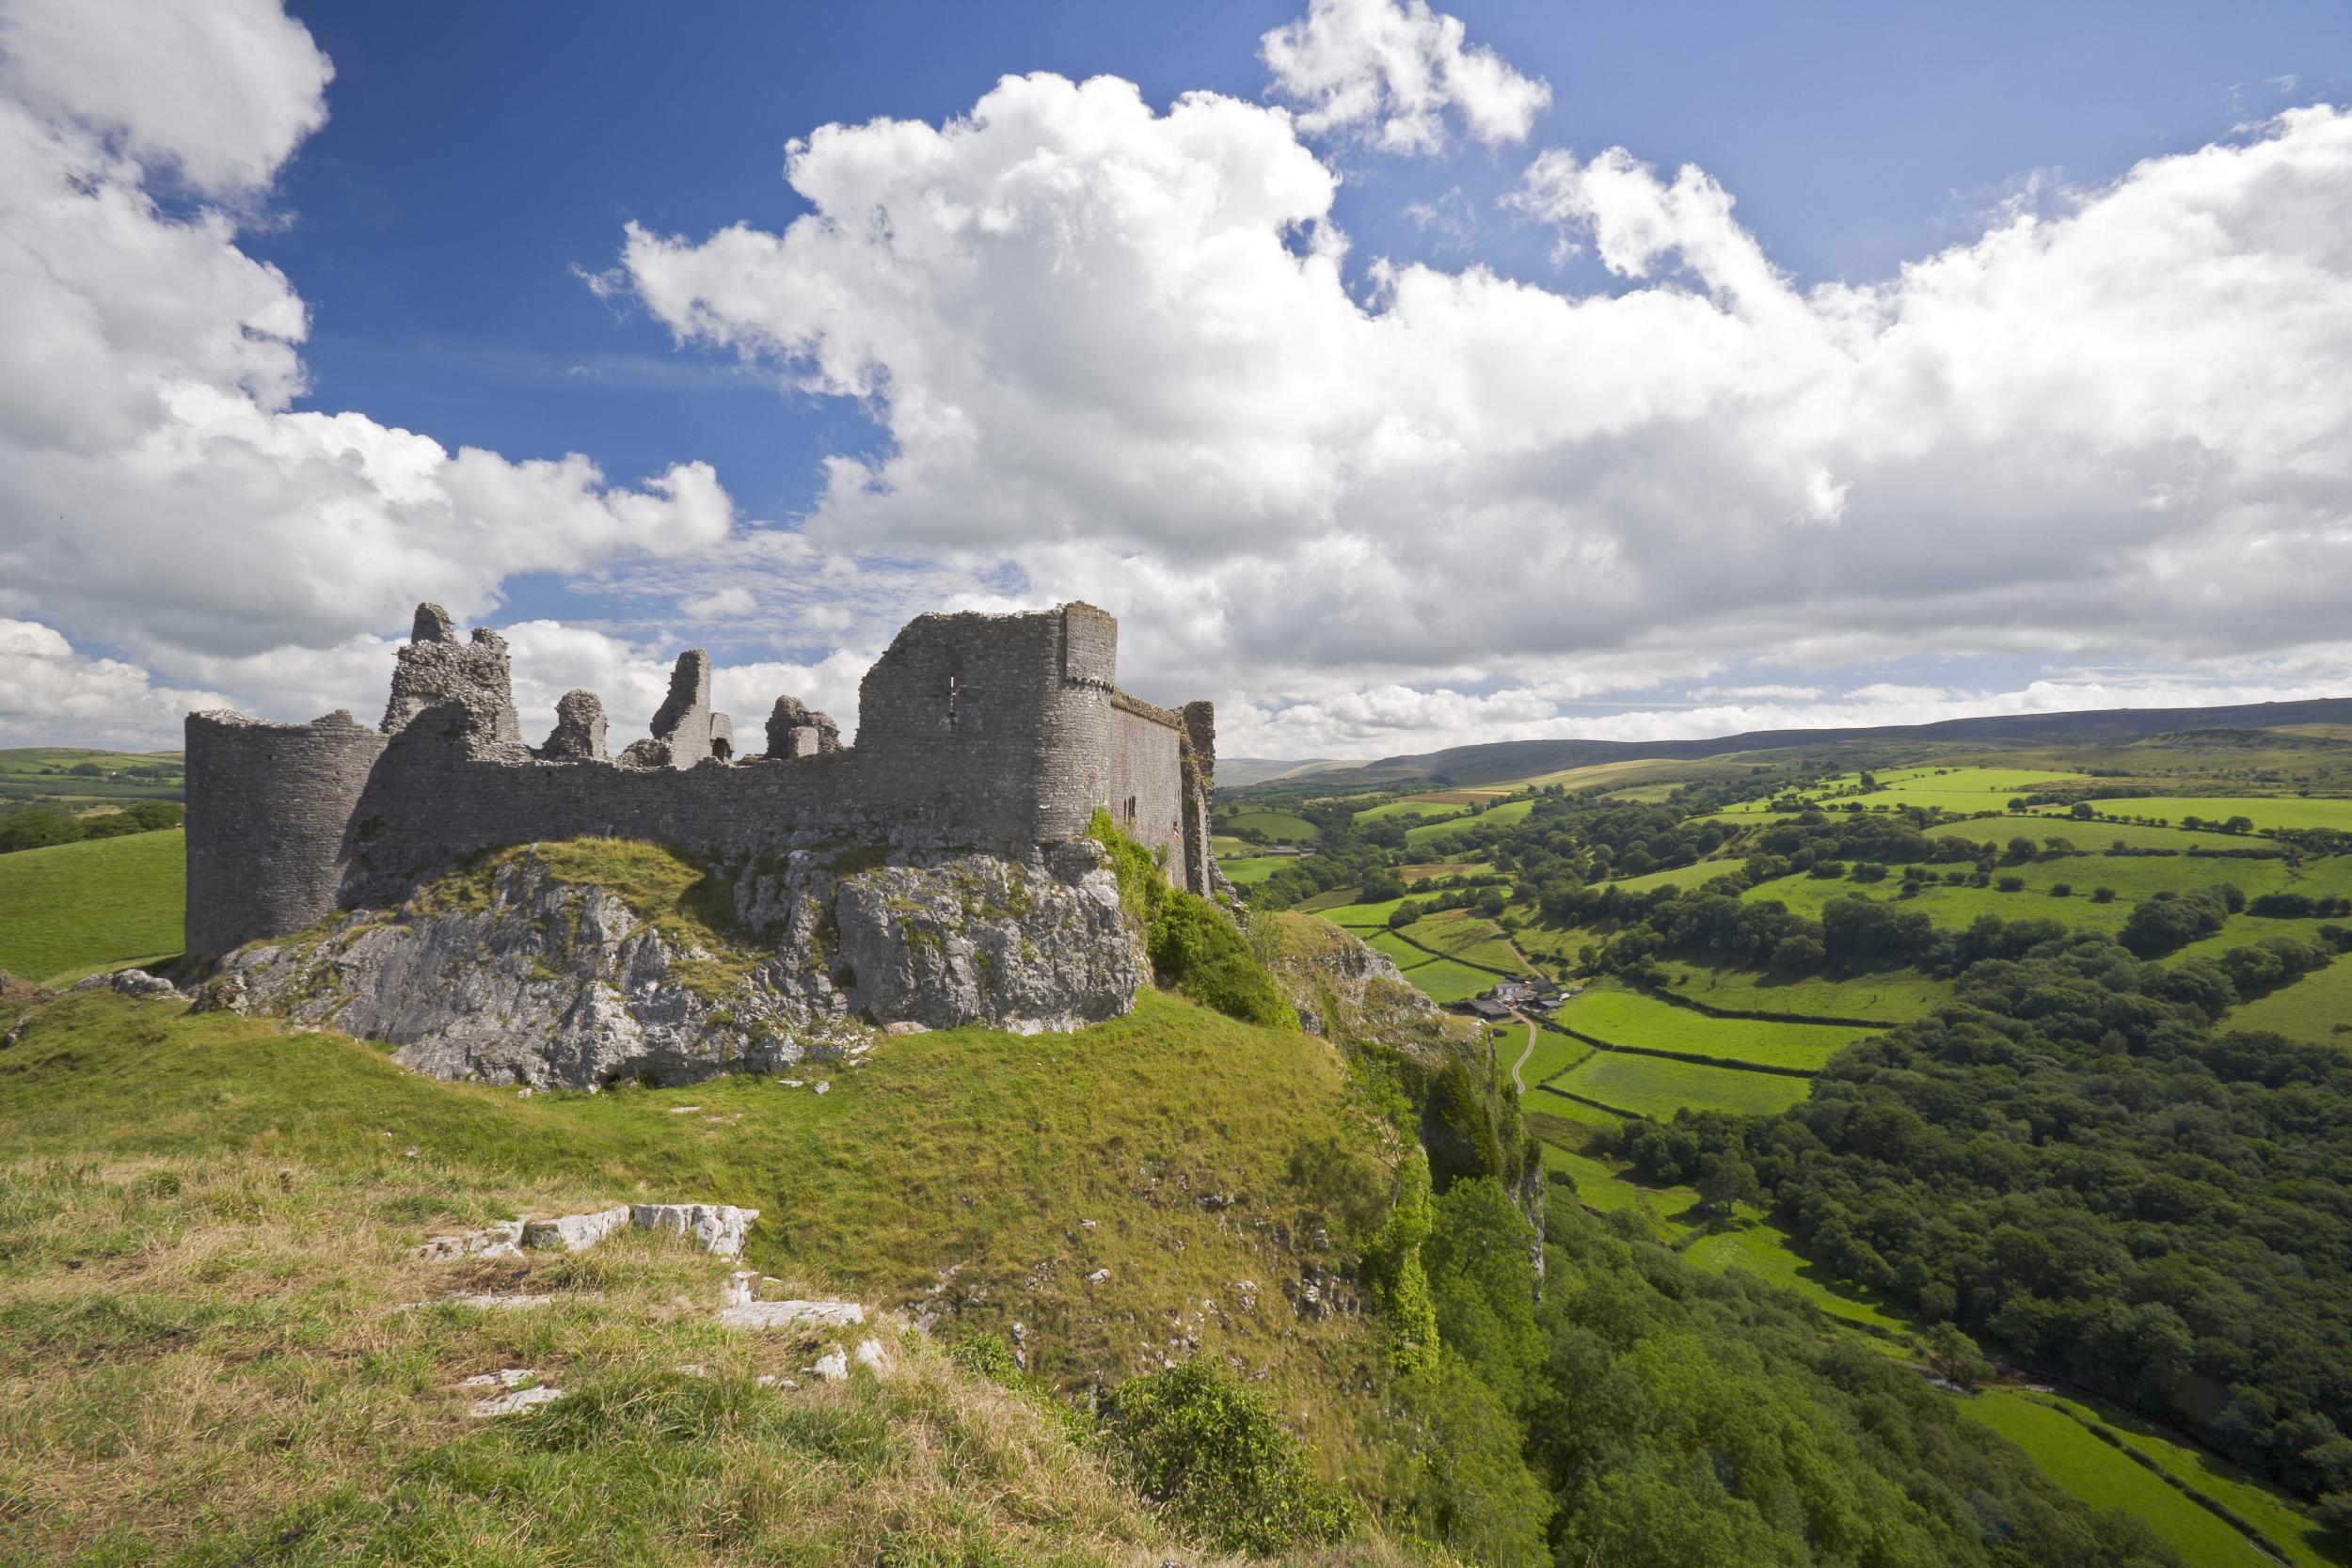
<point>104,903</point>
<point>2317,1008</point>
<point>2265,811</point>
<point>1443,980</point>
<point>45,773</point>
<point>2069,1454</point>
<point>2286,1525</point>
<point>1554,1055</point>
<point>1433,833</point>
<point>1361,917</point>
<point>1693,875</point>
<point>1410,810</point>
<point>1666,1210</point>
<point>1959,790</point>
<point>1887,996</point>
<point>1621,1016</point>
<point>1279,826</point>
<point>1659,1086</point>
<point>1468,937</point>
<point>2090,837</point>
<point>1249,870</point>
<point>1761,1250</point>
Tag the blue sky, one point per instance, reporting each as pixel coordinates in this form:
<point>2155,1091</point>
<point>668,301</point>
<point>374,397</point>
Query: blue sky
<point>1659,474</point>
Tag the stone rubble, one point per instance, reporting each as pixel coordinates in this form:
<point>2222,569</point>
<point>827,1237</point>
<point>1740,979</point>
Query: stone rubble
<point>792,1314</point>
<point>576,1233</point>
<point>132,982</point>
<point>718,1227</point>
<point>833,1366</point>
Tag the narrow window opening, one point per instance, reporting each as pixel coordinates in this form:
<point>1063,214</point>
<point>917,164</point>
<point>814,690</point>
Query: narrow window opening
<point>1131,808</point>
<point>951,699</point>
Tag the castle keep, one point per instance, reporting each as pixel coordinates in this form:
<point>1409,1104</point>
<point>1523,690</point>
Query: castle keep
<point>997,733</point>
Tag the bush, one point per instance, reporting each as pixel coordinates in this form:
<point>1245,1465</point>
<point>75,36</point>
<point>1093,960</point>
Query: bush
<point>1194,945</point>
<point>1198,1442</point>
<point>37,827</point>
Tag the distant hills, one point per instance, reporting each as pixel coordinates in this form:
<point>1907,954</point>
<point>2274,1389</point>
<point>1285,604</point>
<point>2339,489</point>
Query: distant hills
<point>1522,759</point>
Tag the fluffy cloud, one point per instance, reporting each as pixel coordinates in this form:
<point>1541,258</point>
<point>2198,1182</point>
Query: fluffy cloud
<point>45,687</point>
<point>1117,357</point>
<point>159,492</point>
<point>1391,68</point>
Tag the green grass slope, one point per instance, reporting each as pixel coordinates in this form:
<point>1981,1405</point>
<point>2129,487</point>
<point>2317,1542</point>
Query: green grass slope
<point>107,903</point>
<point>227,1368</point>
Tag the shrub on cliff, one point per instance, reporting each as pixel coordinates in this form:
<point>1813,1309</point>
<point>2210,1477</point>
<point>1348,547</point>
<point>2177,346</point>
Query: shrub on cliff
<point>1194,947</point>
<point>1203,1445</point>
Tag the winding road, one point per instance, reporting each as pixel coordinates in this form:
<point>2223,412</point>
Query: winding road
<point>1516,1082</point>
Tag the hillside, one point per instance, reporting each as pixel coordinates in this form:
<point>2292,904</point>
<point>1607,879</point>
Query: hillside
<point>205,1268</point>
<point>1524,759</point>
<point>74,908</point>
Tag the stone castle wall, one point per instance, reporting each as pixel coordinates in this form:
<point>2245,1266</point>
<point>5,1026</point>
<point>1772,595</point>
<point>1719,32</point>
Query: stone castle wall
<point>977,732</point>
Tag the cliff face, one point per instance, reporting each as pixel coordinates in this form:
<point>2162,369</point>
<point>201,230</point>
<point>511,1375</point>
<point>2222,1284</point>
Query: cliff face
<point>581,965</point>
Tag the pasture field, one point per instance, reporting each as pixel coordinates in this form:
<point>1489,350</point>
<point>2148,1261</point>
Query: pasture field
<point>1570,1123</point>
<point>1431,834</point>
<point>104,903</point>
<point>1659,1086</point>
<point>1359,917</point>
<point>1554,1053</point>
<point>1468,937</point>
<point>1760,1249</point>
<point>1694,875</point>
<point>1280,826</point>
<point>2278,1517</point>
<point>1331,900</point>
<point>1411,808</point>
<point>2265,810</point>
<point>1442,980</point>
<point>1884,997</point>
<point>2317,1007</point>
<point>1632,771</point>
<point>1623,1016</point>
<point>1249,870</point>
<point>1404,954</point>
<point>45,773</point>
<point>2097,1474</point>
<point>1599,1188</point>
<point>2090,837</point>
<point>1642,794</point>
<point>1410,874</point>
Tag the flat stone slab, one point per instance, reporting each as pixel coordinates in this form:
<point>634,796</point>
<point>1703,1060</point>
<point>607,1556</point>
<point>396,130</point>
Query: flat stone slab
<point>502,1240</point>
<point>488,1301</point>
<point>576,1233</point>
<point>789,1314</point>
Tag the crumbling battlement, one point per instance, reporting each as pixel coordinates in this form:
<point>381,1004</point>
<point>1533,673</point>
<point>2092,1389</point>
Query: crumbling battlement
<point>1001,732</point>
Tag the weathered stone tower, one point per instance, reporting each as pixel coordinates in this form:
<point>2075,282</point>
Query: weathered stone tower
<point>1001,732</point>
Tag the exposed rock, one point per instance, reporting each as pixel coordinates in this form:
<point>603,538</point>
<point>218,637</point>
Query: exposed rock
<point>502,1240</point>
<point>792,1314</point>
<point>517,977</point>
<point>1099,1276</point>
<point>869,1355</point>
<point>576,1233</point>
<point>513,1403</point>
<point>508,1377</point>
<point>132,982</point>
<point>718,1227</point>
<point>496,1301</point>
<point>833,1366</point>
<point>578,732</point>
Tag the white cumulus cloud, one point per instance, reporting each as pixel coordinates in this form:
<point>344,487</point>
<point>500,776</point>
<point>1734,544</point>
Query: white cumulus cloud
<point>1116,356</point>
<point>160,492</point>
<point>1391,69</point>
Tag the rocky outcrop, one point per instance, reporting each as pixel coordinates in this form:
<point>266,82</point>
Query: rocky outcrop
<point>510,974</point>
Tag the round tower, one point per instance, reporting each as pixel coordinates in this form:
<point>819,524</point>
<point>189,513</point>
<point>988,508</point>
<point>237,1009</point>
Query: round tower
<point>269,809</point>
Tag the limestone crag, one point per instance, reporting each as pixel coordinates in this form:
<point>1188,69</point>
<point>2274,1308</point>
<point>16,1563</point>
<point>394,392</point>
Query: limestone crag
<point>513,976</point>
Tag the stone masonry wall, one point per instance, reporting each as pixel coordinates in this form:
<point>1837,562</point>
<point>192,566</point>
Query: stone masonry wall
<point>269,806</point>
<point>980,732</point>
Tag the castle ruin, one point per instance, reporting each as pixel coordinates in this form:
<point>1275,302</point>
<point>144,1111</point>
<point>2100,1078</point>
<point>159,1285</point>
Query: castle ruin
<point>993,733</point>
